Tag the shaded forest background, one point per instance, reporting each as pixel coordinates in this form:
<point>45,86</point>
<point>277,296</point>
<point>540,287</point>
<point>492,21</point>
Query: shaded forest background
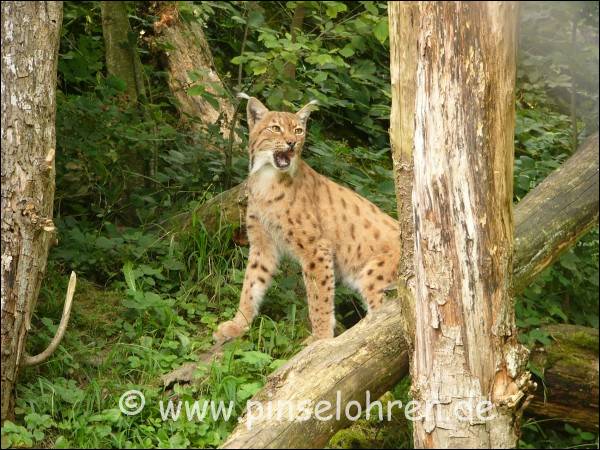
<point>131,171</point>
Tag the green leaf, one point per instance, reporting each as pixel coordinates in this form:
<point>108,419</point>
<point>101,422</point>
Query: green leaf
<point>347,51</point>
<point>247,390</point>
<point>334,8</point>
<point>129,275</point>
<point>196,90</point>
<point>211,99</point>
<point>259,70</point>
<point>381,30</point>
<point>255,358</point>
<point>255,18</point>
<point>587,436</point>
<point>108,415</point>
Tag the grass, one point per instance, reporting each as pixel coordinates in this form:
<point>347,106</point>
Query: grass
<point>153,304</point>
<point>147,323</point>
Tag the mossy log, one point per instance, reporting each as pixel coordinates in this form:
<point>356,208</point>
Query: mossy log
<point>373,356</point>
<point>569,389</point>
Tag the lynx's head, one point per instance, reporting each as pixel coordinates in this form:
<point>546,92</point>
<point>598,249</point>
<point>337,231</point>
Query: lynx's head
<point>276,138</point>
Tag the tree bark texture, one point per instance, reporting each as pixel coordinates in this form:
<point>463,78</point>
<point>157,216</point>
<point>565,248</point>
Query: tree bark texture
<point>187,51</point>
<point>122,60</point>
<point>403,24</point>
<point>377,329</point>
<point>466,348</point>
<point>30,40</point>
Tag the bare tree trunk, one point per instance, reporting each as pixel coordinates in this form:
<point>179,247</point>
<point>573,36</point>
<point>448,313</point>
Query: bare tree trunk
<point>403,24</point>
<point>466,348</point>
<point>289,69</point>
<point>30,39</point>
<point>122,60</point>
<point>188,52</point>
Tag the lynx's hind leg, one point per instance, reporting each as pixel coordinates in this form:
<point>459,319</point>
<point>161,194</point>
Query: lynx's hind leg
<point>379,273</point>
<point>319,280</point>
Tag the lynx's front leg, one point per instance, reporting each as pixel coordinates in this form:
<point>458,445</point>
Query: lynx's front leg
<point>262,263</point>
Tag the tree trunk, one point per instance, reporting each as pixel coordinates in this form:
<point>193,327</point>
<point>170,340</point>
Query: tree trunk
<point>466,349</point>
<point>190,63</point>
<point>30,39</point>
<point>403,24</point>
<point>289,70</point>
<point>385,327</point>
<point>122,60</point>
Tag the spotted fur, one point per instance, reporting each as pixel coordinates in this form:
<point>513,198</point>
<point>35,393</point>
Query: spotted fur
<point>333,232</point>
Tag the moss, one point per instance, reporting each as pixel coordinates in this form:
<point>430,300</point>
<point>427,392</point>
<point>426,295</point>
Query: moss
<point>372,433</point>
<point>583,340</point>
<point>357,436</point>
<point>573,346</point>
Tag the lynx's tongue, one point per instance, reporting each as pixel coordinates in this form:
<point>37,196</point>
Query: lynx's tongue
<point>282,160</point>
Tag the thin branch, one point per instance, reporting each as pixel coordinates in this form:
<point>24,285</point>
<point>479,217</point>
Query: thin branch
<point>243,48</point>
<point>60,332</point>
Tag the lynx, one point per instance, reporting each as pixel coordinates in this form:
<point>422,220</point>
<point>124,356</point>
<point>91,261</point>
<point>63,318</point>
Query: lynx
<point>334,233</point>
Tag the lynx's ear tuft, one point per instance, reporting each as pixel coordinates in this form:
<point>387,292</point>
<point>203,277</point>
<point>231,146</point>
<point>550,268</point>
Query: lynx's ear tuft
<point>305,111</point>
<point>255,110</point>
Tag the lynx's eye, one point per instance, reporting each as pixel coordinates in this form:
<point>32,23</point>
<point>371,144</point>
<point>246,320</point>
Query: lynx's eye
<point>298,130</point>
<point>276,129</point>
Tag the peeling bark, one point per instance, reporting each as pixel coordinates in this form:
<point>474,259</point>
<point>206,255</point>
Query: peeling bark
<point>466,348</point>
<point>30,38</point>
<point>187,51</point>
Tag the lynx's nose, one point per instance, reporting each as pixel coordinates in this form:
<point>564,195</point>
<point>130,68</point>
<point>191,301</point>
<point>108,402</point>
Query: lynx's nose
<point>291,145</point>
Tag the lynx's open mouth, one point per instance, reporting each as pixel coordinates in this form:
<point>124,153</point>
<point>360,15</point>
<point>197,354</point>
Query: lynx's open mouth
<point>283,159</point>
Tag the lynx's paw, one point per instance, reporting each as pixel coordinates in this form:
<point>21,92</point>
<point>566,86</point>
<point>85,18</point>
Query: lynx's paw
<point>228,330</point>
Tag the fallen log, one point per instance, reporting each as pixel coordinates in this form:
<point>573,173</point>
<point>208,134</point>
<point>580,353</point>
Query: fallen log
<point>554,215</point>
<point>568,389</point>
<point>372,356</point>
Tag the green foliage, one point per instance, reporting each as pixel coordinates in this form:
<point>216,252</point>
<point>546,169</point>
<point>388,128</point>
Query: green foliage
<point>338,54</point>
